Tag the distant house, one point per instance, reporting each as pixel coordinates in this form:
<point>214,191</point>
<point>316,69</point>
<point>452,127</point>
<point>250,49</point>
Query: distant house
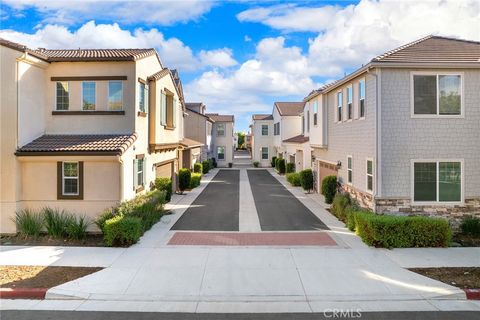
<point>262,139</point>
<point>223,138</point>
<point>198,126</point>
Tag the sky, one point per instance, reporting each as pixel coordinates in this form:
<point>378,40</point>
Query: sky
<point>239,57</point>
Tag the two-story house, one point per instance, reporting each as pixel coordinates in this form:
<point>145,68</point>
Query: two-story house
<point>199,127</point>
<point>222,138</point>
<point>83,130</point>
<point>262,148</point>
<point>402,133</point>
<point>287,124</point>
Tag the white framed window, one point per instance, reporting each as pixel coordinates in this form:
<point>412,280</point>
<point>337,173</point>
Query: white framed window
<point>350,102</point>
<point>62,94</point>
<point>139,172</point>
<point>437,181</point>
<point>163,108</point>
<point>339,105</point>
<point>349,169</point>
<point>308,121</point>
<point>142,97</point>
<point>369,174</point>
<point>264,129</point>
<point>221,129</point>
<point>437,94</point>
<point>89,95</point>
<point>264,153</point>
<point>303,123</point>
<point>221,153</point>
<point>115,95</point>
<point>315,113</point>
<point>361,97</point>
<point>70,178</point>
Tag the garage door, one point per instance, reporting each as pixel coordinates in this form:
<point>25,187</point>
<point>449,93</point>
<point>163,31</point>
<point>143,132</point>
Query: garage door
<point>164,170</point>
<point>326,169</point>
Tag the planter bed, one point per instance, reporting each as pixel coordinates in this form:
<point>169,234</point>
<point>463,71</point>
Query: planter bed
<point>466,240</point>
<point>91,240</point>
<point>467,278</point>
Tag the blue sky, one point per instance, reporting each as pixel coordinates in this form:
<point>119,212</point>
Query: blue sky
<point>238,57</point>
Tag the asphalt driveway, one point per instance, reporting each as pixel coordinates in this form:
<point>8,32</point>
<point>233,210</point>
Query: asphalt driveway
<point>216,208</point>
<point>278,209</point>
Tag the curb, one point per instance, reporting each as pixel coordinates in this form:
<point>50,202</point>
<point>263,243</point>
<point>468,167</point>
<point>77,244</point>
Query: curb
<point>23,293</point>
<point>472,294</point>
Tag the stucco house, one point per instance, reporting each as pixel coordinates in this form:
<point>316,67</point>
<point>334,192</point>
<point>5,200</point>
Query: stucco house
<point>82,130</point>
<point>198,126</point>
<point>262,143</point>
<point>402,132</point>
<point>222,138</point>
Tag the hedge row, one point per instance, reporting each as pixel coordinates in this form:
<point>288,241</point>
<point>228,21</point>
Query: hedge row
<point>195,180</point>
<point>294,179</point>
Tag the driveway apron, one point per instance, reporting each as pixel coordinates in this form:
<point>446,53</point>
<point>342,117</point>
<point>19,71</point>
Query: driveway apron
<point>277,208</point>
<point>216,208</point>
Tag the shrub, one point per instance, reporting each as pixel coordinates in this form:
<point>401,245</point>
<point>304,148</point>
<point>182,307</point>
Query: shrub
<point>213,162</point>
<point>277,162</point>
<point>195,180</point>
<point>274,162</point>
<point>340,203</point>
<point>290,167</point>
<point>165,184</point>
<point>198,167</point>
<point>28,222</point>
<point>77,228</point>
<point>401,231</point>
<point>470,225</point>
<point>104,216</point>
<point>281,166</point>
<point>184,176</point>
<point>329,188</point>
<point>56,222</point>
<point>206,166</point>
<point>256,164</point>
<point>294,179</point>
<point>122,230</point>
<point>148,208</point>
<point>306,179</point>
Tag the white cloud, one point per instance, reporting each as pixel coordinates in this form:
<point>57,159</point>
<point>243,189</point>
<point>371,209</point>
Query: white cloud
<point>217,58</point>
<point>246,38</point>
<point>159,12</point>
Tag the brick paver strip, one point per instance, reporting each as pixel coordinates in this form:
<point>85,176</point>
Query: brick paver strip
<point>252,239</point>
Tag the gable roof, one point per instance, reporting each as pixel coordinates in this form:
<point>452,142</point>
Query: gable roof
<point>220,117</point>
<point>262,117</point>
<point>297,139</point>
<point>21,48</point>
<point>290,108</point>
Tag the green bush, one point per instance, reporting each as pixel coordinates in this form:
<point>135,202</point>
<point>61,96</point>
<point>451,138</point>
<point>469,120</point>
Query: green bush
<point>165,184</point>
<point>274,162</point>
<point>28,222</point>
<point>77,228</point>
<point>290,167</point>
<point>256,164</point>
<point>184,176</point>
<point>294,179</point>
<point>340,203</point>
<point>306,179</point>
<point>329,188</point>
<point>195,180</point>
<point>281,166</point>
<point>213,163</point>
<point>197,167</point>
<point>56,222</point>
<point>104,216</point>
<point>206,166</point>
<point>401,231</point>
<point>122,230</point>
<point>470,225</point>
<point>148,207</point>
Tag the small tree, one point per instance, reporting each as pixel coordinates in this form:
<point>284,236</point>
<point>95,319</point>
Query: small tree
<point>281,166</point>
<point>206,166</point>
<point>274,162</point>
<point>306,179</point>
<point>184,176</point>
<point>329,188</point>
<point>290,167</point>
<point>198,168</point>
<point>256,164</point>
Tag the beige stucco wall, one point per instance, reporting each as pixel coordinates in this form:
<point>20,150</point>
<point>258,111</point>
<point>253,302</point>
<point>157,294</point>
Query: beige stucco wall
<point>223,141</point>
<point>260,141</point>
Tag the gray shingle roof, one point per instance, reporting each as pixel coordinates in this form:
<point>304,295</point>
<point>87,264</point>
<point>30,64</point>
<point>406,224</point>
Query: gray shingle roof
<point>262,117</point>
<point>297,139</point>
<point>220,117</point>
<point>290,108</point>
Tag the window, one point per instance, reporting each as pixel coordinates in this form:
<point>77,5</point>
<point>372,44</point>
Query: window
<point>88,95</point>
<point>115,95</point>
<point>349,103</point>
<point>349,169</point>
<point>369,175</point>
<point>315,113</point>
<point>276,129</point>
<point>303,123</point>
<point>163,109</point>
<point>221,153</point>
<point>361,94</point>
<point>142,97</point>
<point>437,94</point>
<point>62,94</point>
<point>264,129</point>
<point>139,172</point>
<point>220,129</point>
<point>264,153</point>
<point>308,121</point>
<point>437,181</point>
<point>70,179</point>
<point>339,105</point>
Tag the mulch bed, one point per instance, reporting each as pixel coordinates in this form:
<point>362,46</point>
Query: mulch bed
<point>92,240</point>
<point>463,278</point>
<point>39,276</point>
<point>466,240</point>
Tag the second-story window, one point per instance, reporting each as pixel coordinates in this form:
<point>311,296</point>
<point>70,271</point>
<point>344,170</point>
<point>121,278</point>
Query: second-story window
<point>303,123</point>
<point>88,95</point>
<point>264,129</point>
<point>143,97</point>
<point>308,121</point>
<point>349,103</point>
<point>339,105</point>
<point>220,129</point>
<point>62,94</point>
<point>361,96</point>
<point>437,94</point>
<point>115,95</point>
<point>315,113</point>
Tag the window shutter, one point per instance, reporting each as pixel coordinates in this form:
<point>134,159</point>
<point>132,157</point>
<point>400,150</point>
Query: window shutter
<point>135,177</point>
<point>144,171</point>
<point>163,109</point>
<point>146,107</point>
<point>174,112</point>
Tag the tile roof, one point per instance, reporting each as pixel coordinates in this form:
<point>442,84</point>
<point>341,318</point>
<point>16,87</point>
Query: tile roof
<point>297,139</point>
<point>193,104</point>
<point>190,143</point>
<point>220,117</point>
<point>59,55</point>
<point>290,108</point>
<point>21,48</point>
<point>160,74</point>
<point>262,117</point>
<point>111,144</point>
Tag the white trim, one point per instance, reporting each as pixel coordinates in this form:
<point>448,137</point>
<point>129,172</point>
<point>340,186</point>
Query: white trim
<point>351,169</point>
<point>224,155</point>
<point>437,115</point>
<point>55,95</point>
<point>364,98</point>
<point>261,153</point>
<point>438,202</point>
<point>339,120</point>
<point>367,174</point>
<point>77,178</point>
<point>350,86</point>
<point>81,95</point>
<point>108,94</point>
